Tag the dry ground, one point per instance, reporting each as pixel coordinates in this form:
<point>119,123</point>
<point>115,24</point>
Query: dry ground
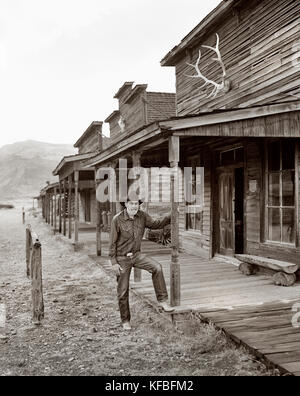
<point>81,333</point>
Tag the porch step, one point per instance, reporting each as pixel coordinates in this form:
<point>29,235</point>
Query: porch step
<point>275,265</point>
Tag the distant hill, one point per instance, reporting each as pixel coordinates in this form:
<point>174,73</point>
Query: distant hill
<point>26,166</point>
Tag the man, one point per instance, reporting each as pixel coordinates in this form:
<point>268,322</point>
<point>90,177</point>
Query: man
<point>127,232</point>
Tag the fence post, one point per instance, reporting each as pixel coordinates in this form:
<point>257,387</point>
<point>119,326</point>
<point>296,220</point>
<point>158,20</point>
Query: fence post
<point>23,215</point>
<point>28,251</point>
<point>37,284</point>
<point>34,270</point>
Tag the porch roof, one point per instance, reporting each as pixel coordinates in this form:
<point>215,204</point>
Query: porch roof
<point>70,159</point>
<point>50,186</point>
<point>159,131</point>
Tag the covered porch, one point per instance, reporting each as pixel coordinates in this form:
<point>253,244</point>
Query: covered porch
<point>73,201</point>
<point>230,146</point>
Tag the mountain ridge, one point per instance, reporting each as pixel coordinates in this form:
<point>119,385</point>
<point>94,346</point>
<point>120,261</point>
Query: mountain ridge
<point>26,166</point>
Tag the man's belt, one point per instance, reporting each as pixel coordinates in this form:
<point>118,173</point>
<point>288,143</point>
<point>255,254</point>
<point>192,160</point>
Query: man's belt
<point>128,255</point>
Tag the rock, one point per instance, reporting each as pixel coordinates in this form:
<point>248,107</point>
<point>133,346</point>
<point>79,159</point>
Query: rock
<point>22,363</point>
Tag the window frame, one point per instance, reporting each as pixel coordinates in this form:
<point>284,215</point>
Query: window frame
<point>281,207</point>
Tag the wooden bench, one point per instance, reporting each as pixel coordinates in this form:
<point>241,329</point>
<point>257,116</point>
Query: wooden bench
<point>284,272</point>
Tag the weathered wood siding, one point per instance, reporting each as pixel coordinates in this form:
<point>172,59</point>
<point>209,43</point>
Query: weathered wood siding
<point>92,142</point>
<point>260,46</point>
<point>281,125</point>
<point>114,128</point>
<point>134,114</point>
<point>160,105</point>
<point>196,242</point>
<point>140,109</point>
<point>254,198</point>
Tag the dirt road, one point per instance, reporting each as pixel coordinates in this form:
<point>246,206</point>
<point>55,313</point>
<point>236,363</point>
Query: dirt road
<point>81,333</point>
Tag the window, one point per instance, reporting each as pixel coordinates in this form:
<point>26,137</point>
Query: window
<point>281,192</point>
<point>194,212</point>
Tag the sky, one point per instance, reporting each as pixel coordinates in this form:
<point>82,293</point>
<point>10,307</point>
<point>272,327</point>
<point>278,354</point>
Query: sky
<point>62,61</point>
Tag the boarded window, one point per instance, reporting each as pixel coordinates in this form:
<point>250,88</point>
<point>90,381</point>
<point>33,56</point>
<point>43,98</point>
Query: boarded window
<point>281,192</point>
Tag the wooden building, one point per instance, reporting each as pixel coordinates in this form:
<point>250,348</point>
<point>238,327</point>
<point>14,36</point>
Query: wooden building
<point>250,154</point>
<point>49,203</point>
<point>137,108</point>
<point>77,184</point>
<point>238,117</point>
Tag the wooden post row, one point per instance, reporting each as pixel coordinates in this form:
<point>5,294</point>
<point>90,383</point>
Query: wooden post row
<point>60,209</point>
<point>55,211</point>
<point>70,206</point>
<point>98,222</point>
<point>65,209</point>
<point>76,176</point>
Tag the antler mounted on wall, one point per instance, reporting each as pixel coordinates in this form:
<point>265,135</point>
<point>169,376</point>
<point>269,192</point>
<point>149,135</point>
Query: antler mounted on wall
<point>225,84</point>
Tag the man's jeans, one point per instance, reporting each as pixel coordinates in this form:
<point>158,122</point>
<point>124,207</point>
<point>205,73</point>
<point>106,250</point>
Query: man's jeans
<point>143,262</point>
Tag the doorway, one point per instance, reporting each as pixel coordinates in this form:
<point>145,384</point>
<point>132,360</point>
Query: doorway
<point>230,211</point>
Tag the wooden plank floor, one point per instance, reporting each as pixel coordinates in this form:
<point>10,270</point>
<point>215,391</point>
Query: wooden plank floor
<point>251,310</point>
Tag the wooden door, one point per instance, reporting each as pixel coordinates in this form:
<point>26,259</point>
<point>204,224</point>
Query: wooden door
<point>226,213</point>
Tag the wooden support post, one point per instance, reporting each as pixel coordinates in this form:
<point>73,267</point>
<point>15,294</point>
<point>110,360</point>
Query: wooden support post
<point>70,206</point>
<point>28,251</point>
<point>60,209</point>
<point>174,153</point>
<point>43,211</point>
<point>109,219</point>
<point>55,210</point>
<point>105,221</point>
<point>51,210</point>
<point>98,223</point>
<point>37,282</point>
<point>136,163</point>
<point>65,209</point>
<point>76,217</point>
<point>23,215</point>
<point>46,206</point>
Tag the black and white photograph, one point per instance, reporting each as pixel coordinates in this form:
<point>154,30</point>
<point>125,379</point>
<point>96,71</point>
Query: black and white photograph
<point>149,191</point>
